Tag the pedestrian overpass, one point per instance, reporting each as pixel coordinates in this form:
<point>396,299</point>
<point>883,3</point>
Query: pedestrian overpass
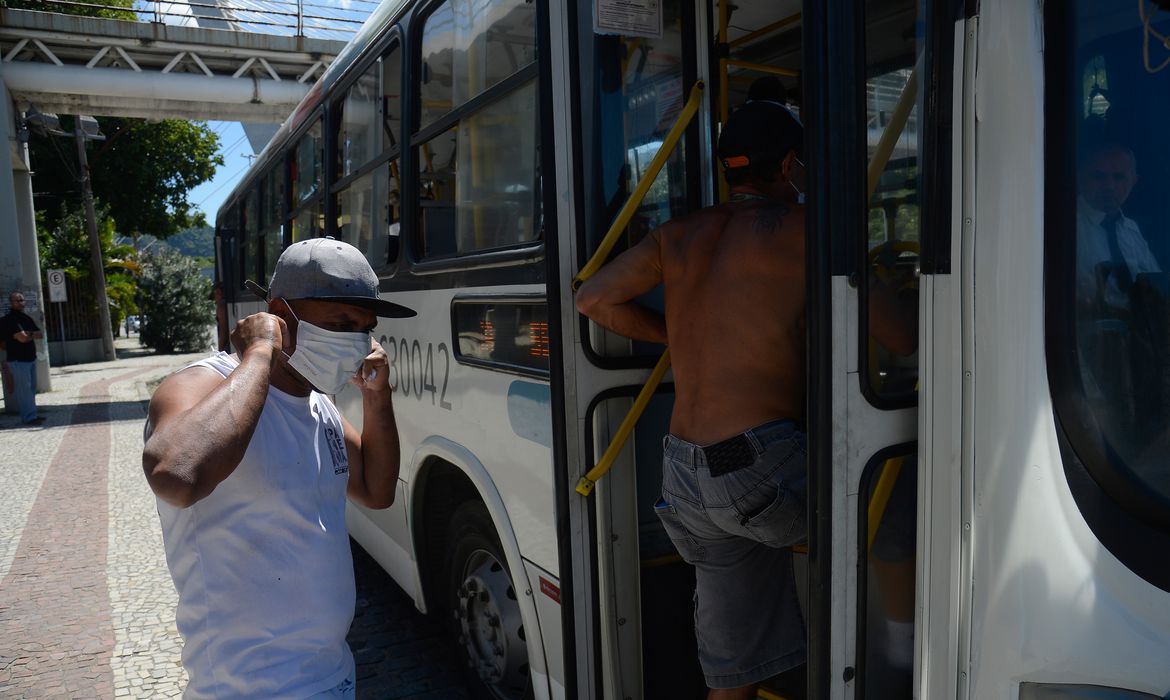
<point>230,60</point>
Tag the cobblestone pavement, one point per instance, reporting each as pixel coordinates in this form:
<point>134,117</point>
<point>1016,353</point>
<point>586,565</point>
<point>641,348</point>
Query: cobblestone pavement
<point>86,602</point>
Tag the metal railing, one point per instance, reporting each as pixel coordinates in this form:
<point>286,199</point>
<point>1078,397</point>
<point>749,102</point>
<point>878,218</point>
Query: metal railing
<point>303,18</point>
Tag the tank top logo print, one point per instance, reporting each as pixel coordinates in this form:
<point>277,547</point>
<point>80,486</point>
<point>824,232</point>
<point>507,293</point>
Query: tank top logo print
<point>337,450</point>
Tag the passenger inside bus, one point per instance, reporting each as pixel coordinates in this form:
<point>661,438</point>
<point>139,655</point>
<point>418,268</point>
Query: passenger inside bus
<point>733,494</point>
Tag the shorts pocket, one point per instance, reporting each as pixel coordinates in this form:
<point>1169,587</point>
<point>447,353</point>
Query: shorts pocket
<point>684,542</point>
<point>780,522</point>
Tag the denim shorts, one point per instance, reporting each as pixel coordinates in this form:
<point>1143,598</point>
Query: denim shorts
<point>736,529</point>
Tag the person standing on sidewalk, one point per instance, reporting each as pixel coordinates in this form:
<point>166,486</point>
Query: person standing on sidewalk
<point>251,464</point>
<point>17,332</point>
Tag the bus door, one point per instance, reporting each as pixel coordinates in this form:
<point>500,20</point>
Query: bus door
<point>877,101</point>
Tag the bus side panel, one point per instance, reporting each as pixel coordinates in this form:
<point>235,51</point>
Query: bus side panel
<point>1049,602</point>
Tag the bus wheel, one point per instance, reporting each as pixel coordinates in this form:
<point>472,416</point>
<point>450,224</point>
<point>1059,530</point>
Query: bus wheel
<point>485,614</point>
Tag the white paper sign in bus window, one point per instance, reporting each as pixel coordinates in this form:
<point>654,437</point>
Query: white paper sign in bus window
<point>628,17</point>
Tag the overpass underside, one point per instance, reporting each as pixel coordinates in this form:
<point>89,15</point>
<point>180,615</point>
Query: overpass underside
<point>83,65</point>
<point>54,63</point>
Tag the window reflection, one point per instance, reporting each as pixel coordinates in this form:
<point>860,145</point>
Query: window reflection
<point>470,45</point>
<point>478,179</point>
<point>893,106</point>
<point>1122,294</point>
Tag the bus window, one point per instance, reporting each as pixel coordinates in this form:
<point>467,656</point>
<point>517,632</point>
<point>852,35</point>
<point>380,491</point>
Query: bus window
<point>889,490</point>
<point>227,230</point>
<point>272,218</point>
<point>368,194</point>
<point>641,85</point>
<point>391,213</point>
<point>466,51</point>
<point>893,105</point>
<point>359,137</point>
<point>307,169</point>
<point>309,222</point>
<point>307,165</point>
<point>478,175</point>
<point>1109,296</point>
<point>250,238</point>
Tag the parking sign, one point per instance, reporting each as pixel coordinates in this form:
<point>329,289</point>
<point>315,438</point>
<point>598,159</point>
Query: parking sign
<point>57,285</point>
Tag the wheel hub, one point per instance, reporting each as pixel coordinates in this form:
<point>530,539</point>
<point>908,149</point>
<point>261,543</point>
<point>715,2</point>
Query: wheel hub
<point>491,629</point>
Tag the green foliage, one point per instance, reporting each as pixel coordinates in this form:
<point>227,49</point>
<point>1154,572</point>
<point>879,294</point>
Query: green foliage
<point>143,171</point>
<point>176,305</point>
<point>64,243</point>
<point>112,13</point>
<point>65,246</point>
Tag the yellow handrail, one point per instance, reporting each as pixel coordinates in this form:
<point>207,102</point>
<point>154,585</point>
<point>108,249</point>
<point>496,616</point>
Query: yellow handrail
<point>639,193</point>
<point>763,68</point>
<point>587,482</point>
<point>893,131</point>
<point>881,497</point>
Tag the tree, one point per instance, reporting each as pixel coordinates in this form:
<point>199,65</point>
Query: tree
<point>86,10</point>
<point>143,172</point>
<point>176,304</point>
<point>65,245</point>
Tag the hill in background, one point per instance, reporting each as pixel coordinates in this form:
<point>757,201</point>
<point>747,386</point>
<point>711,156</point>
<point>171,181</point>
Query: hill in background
<point>192,242</point>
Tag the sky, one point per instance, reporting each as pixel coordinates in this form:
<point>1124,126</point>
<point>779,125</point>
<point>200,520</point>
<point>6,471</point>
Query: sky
<point>234,146</point>
<point>235,149</point>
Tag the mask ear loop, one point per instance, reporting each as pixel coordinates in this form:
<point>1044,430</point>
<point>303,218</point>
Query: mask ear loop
<point>799,193</point>
<point>298,320</point>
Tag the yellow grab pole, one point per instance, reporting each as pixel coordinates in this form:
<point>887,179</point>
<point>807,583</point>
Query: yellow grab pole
<point>893,131</point>
<point>587,482</point>
<point>631,205</point>
<point>763,68</point>
<point>881,496</point>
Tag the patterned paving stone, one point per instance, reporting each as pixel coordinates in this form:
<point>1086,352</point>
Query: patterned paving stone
<point>86,602</point>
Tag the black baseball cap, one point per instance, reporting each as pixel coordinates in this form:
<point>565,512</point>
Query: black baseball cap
<point>761,132</point>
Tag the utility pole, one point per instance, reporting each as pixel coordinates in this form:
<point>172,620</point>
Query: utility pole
<point>95,246</point>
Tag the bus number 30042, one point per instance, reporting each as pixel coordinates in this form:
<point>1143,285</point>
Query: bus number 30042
<point>414,375</point>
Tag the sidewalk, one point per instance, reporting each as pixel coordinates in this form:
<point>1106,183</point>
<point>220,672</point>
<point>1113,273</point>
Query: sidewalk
<point>86,602</point>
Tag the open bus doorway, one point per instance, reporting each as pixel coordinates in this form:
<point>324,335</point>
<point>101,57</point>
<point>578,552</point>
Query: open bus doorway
<point>747,48</point>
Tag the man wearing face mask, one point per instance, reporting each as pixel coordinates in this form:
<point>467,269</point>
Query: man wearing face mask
<point>251,464</point>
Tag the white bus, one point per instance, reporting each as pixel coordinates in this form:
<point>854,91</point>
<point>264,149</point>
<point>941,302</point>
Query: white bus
<point>989,518</point>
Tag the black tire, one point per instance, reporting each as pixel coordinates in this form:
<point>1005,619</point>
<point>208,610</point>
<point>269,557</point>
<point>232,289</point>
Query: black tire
<point>482,609</point>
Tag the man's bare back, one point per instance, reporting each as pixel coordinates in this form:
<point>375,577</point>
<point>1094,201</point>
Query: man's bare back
<point>734,278</point>
<point>734,322</point>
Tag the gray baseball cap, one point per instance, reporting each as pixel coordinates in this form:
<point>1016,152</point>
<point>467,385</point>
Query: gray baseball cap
<point>326,269</point>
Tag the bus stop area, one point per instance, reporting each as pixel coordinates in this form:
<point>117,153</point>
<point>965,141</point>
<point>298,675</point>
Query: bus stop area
<point>86,602</point>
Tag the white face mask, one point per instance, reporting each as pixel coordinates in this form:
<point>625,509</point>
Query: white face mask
<point>328,359</point>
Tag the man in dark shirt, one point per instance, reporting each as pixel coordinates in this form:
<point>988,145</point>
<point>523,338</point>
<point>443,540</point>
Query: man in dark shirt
<point>18,331</point>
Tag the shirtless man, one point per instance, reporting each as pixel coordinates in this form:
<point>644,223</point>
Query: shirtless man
<point>734,472</point>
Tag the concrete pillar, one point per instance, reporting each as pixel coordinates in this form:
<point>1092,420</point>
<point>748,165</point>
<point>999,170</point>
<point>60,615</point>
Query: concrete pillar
<point>19,260</point>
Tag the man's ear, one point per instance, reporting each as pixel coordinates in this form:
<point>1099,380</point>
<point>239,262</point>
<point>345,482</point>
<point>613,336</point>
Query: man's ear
<point>787,164</point>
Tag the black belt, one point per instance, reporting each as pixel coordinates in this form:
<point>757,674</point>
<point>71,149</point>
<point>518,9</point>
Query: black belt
<point>730,455</point>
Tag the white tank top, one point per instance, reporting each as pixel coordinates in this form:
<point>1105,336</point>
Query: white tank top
<point>262,565</point>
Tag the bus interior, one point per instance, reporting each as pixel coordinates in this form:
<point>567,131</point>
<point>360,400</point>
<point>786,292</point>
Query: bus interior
<point>639,86</point>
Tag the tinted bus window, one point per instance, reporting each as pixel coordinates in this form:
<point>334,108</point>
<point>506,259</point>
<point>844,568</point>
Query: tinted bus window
<point>307,170</point>
<point>467,49</point>
<point>250,238</point>
<point>1113,328</point>
<point>895,93</point>
<point>478,176</point>
<point>272,218</point>
<point>368,208</point>
<point>360,132</point>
